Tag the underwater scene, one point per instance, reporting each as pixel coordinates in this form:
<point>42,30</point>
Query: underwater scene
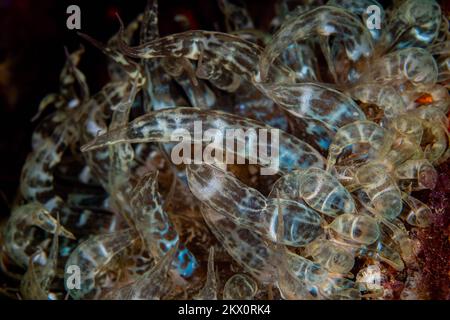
<point>225,150</point>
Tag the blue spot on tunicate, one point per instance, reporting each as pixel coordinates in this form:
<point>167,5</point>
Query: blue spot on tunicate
<point>64,252</point>
<point>191,265</point>
<point>324,143</point>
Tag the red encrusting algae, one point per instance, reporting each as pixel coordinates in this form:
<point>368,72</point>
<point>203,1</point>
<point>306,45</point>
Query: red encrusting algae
<point>435,241</point>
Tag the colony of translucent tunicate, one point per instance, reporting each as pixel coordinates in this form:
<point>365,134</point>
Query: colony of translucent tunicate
<point>361,116</point>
